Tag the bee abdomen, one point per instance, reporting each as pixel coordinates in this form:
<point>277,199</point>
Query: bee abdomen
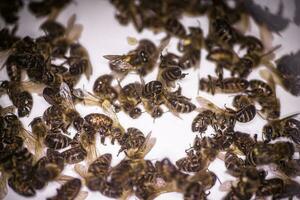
<point>57,141</point>
<point>246,114</point>
<point>172,74</point>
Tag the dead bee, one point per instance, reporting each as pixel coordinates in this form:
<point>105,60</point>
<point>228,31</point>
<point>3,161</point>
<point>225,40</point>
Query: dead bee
<point>39,129</point>
<point>244,142</point>
<point>233,164</point>
<point>290,190</point>
<point>101,165</point>
<point>152,89</point>
<point>69,190</point>
<point>171,74</point>
<point>141,59</point>
<point>175,28</point>
<point>263,153</point>
<point>222,33</point>
<point>74,155</point>
<point>168,60</point>
<point>192,163</point>
<point>222,56</point>
<point>178,103</point>
<point>221,119</point>
<point>251,43</point>
<point>259,88</point>
<point>273,186</point>
<point>21,186</point>
<point>194,191</point>
<point>227,85</point>
<point>290,168</point>
<point>130,97</point>
<point>19,97</point>
<point>270,104</point>
<point>202,121</point>
<point>193,40</point>
<point>44,8</point>
<point>285,127</point>
<point>102,88</point>
<point>205,177</point>
<point>135,144</point>
<point>79,61</point>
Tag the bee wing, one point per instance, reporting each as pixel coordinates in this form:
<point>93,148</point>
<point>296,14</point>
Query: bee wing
<point>29,139</point>
<point>3,57</point>
<point>8,109</point>
<point>146,147</point>
<point>66,93</point>
<point>3,186</point>
<point>73,31</point>
<point>227,185</point>
<point>81,170</point>
<point>32,87</point>
<point>62,178</point>
<point>82,195</point>
<point>120,61</point>
<point>207,104</point>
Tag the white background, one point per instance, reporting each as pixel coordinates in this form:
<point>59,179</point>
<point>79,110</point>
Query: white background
<point>103,35</point>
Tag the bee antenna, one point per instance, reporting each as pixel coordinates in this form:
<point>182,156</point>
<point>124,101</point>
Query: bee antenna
<point>259,113</point>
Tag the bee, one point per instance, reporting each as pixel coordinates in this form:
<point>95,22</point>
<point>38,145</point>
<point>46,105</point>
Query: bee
<point>152,89</point>
<point>140,59</point>
<point>102,88</point>
<point>222,56</point>
<point>39,129</point>
<point>53,29</point>
<point>194,191</point>
<point>233,164</point>
<point>244,142</point>
<point>98,120</point>
<point>193,40</point>
<point>227,85</point>
<point>290,189</point>
<point>130,97</point>
<point>202,121</point>
<point>192,163</point>
<point>168,60</point>
<point>246,110</point>
<point>205,177</point>
<point>171,74</point>
<point>289,167</point>
<point>175,28</point>
<point>251,43</point>
<point>222,119</point>
<point>101,165</point>
<point>69,190</point>
<point>222,33</point>
<point>20,186</point>
<point>79,61</point>
<point>20,98</point>
<point>263,153</point>
<point>259,88</point>
<point>273,186</point>
<point>135,144</point>
<point>178,103</point>
<point>74,155</point>
<point>285,127</point>
<point>270,104</point>
<point>40,8</point>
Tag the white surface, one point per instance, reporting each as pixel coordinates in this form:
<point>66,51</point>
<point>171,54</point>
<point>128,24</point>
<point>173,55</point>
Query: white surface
<point>103,35</point>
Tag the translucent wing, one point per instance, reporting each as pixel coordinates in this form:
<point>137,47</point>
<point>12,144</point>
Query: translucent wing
<point>81,170</point>
<point>146,147</point>
<point>3,57</point>
<point>66,93</point>
<point>119,61</point>
<point>207,104</point>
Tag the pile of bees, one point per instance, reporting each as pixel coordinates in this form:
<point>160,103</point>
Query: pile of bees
<point>29,160</point>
